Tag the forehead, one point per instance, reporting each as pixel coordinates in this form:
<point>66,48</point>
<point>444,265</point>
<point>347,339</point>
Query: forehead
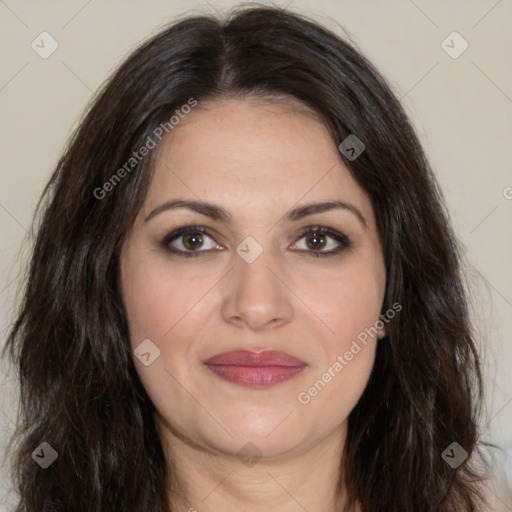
<point>255,154</point>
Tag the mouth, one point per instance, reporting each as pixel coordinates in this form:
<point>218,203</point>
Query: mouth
<point>255,369</point>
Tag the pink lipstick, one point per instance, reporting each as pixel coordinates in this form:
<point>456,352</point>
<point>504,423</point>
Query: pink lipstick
<point>255,369</point>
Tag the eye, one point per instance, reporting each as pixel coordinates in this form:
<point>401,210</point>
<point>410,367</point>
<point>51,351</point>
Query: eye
<point>189,241</point>
<point>322,241</point>
<point>195,240</point>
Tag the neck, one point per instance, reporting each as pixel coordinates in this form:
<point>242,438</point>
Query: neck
<point>208,481</point>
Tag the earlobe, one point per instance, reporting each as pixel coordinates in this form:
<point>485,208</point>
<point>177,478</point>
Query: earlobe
<point>381,333</point>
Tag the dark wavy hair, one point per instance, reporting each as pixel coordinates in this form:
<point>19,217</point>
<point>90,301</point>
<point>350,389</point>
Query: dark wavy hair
<point>70,344</point>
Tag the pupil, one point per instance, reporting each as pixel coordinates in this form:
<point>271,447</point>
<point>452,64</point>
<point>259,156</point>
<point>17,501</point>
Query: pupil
<point>192,240</point>
<point>316,241</point>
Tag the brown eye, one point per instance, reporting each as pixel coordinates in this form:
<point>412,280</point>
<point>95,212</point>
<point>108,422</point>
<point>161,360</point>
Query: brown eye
<point>192,241</point>
<point>322,241</point>
<point>316,241</point>
<point>189,241</point>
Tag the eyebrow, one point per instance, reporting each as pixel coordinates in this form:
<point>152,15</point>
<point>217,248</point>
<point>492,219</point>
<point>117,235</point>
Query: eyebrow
<point>221,214</point>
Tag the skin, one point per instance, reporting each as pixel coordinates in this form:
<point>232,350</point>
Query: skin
<point>258,160</point>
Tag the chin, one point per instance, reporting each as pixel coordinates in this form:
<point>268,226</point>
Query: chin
<point>250,445</point>
<point>274,435</point>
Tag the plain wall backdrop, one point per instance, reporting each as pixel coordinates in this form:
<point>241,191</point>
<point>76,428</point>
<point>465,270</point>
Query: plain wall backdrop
<point>459,98</point>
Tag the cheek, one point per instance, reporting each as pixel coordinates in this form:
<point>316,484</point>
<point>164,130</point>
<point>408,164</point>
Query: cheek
<point>164,306</point>
<point>352,302</point>
<point>156,299</point>
<point>351,307</point>
<point>331,397</point>
<point>170,307</point>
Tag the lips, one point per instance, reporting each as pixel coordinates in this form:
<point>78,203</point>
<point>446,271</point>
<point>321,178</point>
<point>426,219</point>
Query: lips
<point>255,369</point>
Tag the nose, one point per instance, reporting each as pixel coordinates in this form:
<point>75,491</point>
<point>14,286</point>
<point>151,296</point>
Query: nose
<point>256,295</point>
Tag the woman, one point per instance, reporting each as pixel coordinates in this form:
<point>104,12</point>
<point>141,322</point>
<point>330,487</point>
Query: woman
<point>245,292</point>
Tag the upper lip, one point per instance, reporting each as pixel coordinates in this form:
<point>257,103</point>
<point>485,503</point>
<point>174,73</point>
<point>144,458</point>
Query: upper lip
<point>250,358</point>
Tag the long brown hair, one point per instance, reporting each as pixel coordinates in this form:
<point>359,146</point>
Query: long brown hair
<point>80,392</point>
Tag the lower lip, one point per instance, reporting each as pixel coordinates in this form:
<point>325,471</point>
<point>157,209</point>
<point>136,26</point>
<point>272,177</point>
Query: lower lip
<point>255,376</point>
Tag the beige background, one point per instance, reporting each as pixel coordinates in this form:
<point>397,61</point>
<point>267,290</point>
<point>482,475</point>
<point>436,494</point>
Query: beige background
<point>462,108</point>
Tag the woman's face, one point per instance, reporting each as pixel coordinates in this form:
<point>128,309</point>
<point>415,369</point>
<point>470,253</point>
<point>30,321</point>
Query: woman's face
<point>258,279</point>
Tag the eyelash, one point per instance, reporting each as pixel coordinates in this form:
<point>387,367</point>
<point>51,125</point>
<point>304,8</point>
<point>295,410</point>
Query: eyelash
<point>318,230</point>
